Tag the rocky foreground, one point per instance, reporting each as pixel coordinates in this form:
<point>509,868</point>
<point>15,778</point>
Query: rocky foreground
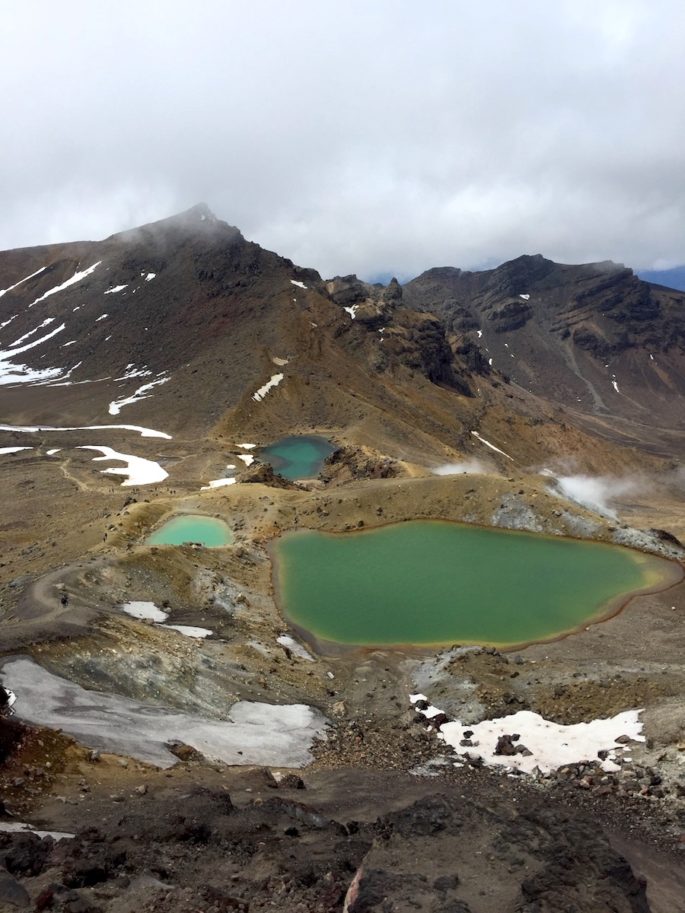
<point>383,820</point>
<point>202,838</point>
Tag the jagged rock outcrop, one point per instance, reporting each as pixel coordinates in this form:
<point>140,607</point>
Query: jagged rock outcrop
<point>593,335</point>
<point>357,463</point>
<point>264,474</point>
<point>371,305</point>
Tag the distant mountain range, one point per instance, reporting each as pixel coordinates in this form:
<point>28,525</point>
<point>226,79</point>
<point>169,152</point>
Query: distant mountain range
<point>186,321</point>
<point>671,278</point>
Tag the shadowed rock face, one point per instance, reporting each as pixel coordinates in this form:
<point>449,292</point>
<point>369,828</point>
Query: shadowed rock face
<point>563,295</point>
<point>11,732</point>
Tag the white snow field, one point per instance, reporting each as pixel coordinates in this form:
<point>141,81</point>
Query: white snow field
<point>254,733</point>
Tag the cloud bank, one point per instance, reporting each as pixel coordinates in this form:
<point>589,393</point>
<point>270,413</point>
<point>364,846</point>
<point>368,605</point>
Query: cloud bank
<point>349,136</point>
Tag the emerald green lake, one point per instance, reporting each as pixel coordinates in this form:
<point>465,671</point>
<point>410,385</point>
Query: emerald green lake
<point>298,456</point>
<point>436,582</point>
<point>208,531</point>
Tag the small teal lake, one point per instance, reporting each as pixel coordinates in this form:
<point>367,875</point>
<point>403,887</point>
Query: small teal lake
<point>297,456</point>
<point>207,531</point>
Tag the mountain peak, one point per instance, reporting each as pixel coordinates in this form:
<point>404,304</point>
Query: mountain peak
<point>198,219</point>
<point>200,212</point>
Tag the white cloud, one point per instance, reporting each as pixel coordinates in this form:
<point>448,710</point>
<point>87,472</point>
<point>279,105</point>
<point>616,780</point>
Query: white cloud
<point>598,492</point>
<point>352,136</point>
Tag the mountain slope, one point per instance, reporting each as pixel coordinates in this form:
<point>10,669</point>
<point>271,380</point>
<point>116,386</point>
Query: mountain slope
<point>185,326</point>
<point>593,337</point>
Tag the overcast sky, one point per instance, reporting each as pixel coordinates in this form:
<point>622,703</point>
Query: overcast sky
<point>367,136</point>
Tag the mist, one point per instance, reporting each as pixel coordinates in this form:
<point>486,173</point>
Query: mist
<point>598,492</point>
<point>467,467</point>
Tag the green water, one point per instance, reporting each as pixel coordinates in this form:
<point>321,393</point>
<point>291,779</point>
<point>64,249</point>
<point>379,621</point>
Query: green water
<point>435,582</point>
<point>208,531</point>
<point>298,456</point>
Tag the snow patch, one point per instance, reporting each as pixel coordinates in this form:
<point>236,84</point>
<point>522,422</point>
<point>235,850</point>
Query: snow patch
<point>131,371</point>
<point>247,446</point>
<point>551,745</point>
<point>116,289</point>
<point>149,276</point>
<point>190,631</point>
<point>491,446</point>
<point>25,279</point>
<point>138,470</point>
<point>13,449</point>
<point>142,392</point>
<point>298,284</point>
<point>45,323</point>
<point>101,317</point>
<point>74,279</point>
<point>144,611</point>
<point>30,429</point>
<point>247,458</point>
<point>13,373</point>
<point>525,297</point>
<point>217,483</point>
<point>285,640</point>
<point>352,310</point>
<point>269,385</point>
<point>53,451</point>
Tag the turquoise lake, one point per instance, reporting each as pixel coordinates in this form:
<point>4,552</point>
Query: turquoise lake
<point>297,456</point>
<point>208,531</point>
